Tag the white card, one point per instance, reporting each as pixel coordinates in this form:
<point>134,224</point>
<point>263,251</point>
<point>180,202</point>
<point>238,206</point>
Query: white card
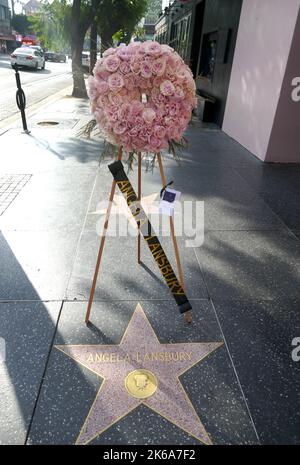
<point>167,202</point>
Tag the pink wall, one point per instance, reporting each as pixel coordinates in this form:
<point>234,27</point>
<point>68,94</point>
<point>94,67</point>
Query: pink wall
<point>263,44</point>
<point>284,144</point>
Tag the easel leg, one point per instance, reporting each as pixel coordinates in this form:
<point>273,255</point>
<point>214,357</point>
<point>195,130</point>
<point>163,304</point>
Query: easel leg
<point>187,315</point>
<point>103,237</point>
<point>139,198</point>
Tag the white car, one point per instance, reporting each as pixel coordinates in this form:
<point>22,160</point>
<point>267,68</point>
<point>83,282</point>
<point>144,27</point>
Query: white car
<point>28,58</point>
<point>85,60</point>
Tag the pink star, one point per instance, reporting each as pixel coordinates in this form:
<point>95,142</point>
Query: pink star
<point>140,349</point>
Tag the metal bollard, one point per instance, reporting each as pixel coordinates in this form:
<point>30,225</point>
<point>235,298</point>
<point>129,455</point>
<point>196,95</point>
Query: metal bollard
<point>21,99</point>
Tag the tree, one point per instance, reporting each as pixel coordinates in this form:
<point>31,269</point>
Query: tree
<point>51,24</point>
<point>62,22</point>
<point>82,15</point>
<point>120,16</point>
<point>21,24</point>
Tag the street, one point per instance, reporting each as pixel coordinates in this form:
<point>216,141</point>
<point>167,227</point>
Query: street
<point>37,85</point>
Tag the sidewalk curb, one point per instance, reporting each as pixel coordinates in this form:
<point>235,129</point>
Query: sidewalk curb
<point>9,122</point>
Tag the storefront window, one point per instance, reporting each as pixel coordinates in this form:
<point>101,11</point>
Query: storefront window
<point>208,56</point>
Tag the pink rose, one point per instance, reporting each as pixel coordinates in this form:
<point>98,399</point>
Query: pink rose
<point>124,67</point>
<point>159,66</point>
<point>129,82</point>
<point>102,101</point>
<point>124,53</point>
<point>119,127</point>
<point>146,70</point>
<point>135,66</point>
<point>134,46</point>
<point>111,63</point>
<point>112,113</point>
<point>152,48</point>
<point>139,144</point>
<point>159,132</point>
<point>102,87</point>
<point>137,107</point>
<point>148,115</point>
<point>154,144</point>
<point>133,131</point>
<point>124,111</point>
<point>166,49</point>
<point>115,99</point>
<point>167,88</point>
<point>109,51</point>
<point>115,82</point>
<point>182,74</point>
<point>144,134</point>
<point>172,109</point>
<point>178,94</point>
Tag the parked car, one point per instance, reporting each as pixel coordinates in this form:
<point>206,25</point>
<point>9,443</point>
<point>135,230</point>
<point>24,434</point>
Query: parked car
<point>85,60</point>
<point>55,56</point>
<point>35,47</point>
<point>28,57</point>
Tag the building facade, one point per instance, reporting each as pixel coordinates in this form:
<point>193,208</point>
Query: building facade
<point>204,32</point>
<point>245,58</point>
<point>5,27</point>
<point>151,17</point>
<point>31,7</point>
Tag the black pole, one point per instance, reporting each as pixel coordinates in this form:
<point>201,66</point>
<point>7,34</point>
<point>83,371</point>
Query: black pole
<point>21,99</point>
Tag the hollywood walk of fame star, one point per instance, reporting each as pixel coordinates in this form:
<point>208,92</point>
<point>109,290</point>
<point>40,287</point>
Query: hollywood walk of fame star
<point>140,370</point>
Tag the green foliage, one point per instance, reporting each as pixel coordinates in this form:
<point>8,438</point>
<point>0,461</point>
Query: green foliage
<point>51,24</point>
<point>119,18</point>
<point>21,24</point>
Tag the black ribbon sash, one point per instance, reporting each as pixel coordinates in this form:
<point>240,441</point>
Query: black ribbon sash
<point>117,170</point>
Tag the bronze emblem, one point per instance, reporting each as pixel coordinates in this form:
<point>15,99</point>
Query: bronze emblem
<point>141,383</point>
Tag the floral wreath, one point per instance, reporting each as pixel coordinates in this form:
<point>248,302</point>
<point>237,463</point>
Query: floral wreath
<point>142,96</point>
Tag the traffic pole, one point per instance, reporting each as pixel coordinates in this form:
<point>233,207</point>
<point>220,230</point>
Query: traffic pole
<point>21,100</point>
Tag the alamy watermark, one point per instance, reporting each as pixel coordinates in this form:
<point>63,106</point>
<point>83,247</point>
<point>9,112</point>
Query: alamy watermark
<point>296,350</point>
<point>2,350</point>
<point>296,90</point>
<point>188,219</point>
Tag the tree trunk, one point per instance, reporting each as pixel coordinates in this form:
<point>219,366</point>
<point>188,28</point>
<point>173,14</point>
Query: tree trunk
<point>77,38</point>
<point>106,40</point>
<point>93,46</point>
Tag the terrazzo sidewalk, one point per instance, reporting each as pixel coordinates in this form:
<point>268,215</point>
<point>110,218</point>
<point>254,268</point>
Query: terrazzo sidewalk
<point>243,282</point>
